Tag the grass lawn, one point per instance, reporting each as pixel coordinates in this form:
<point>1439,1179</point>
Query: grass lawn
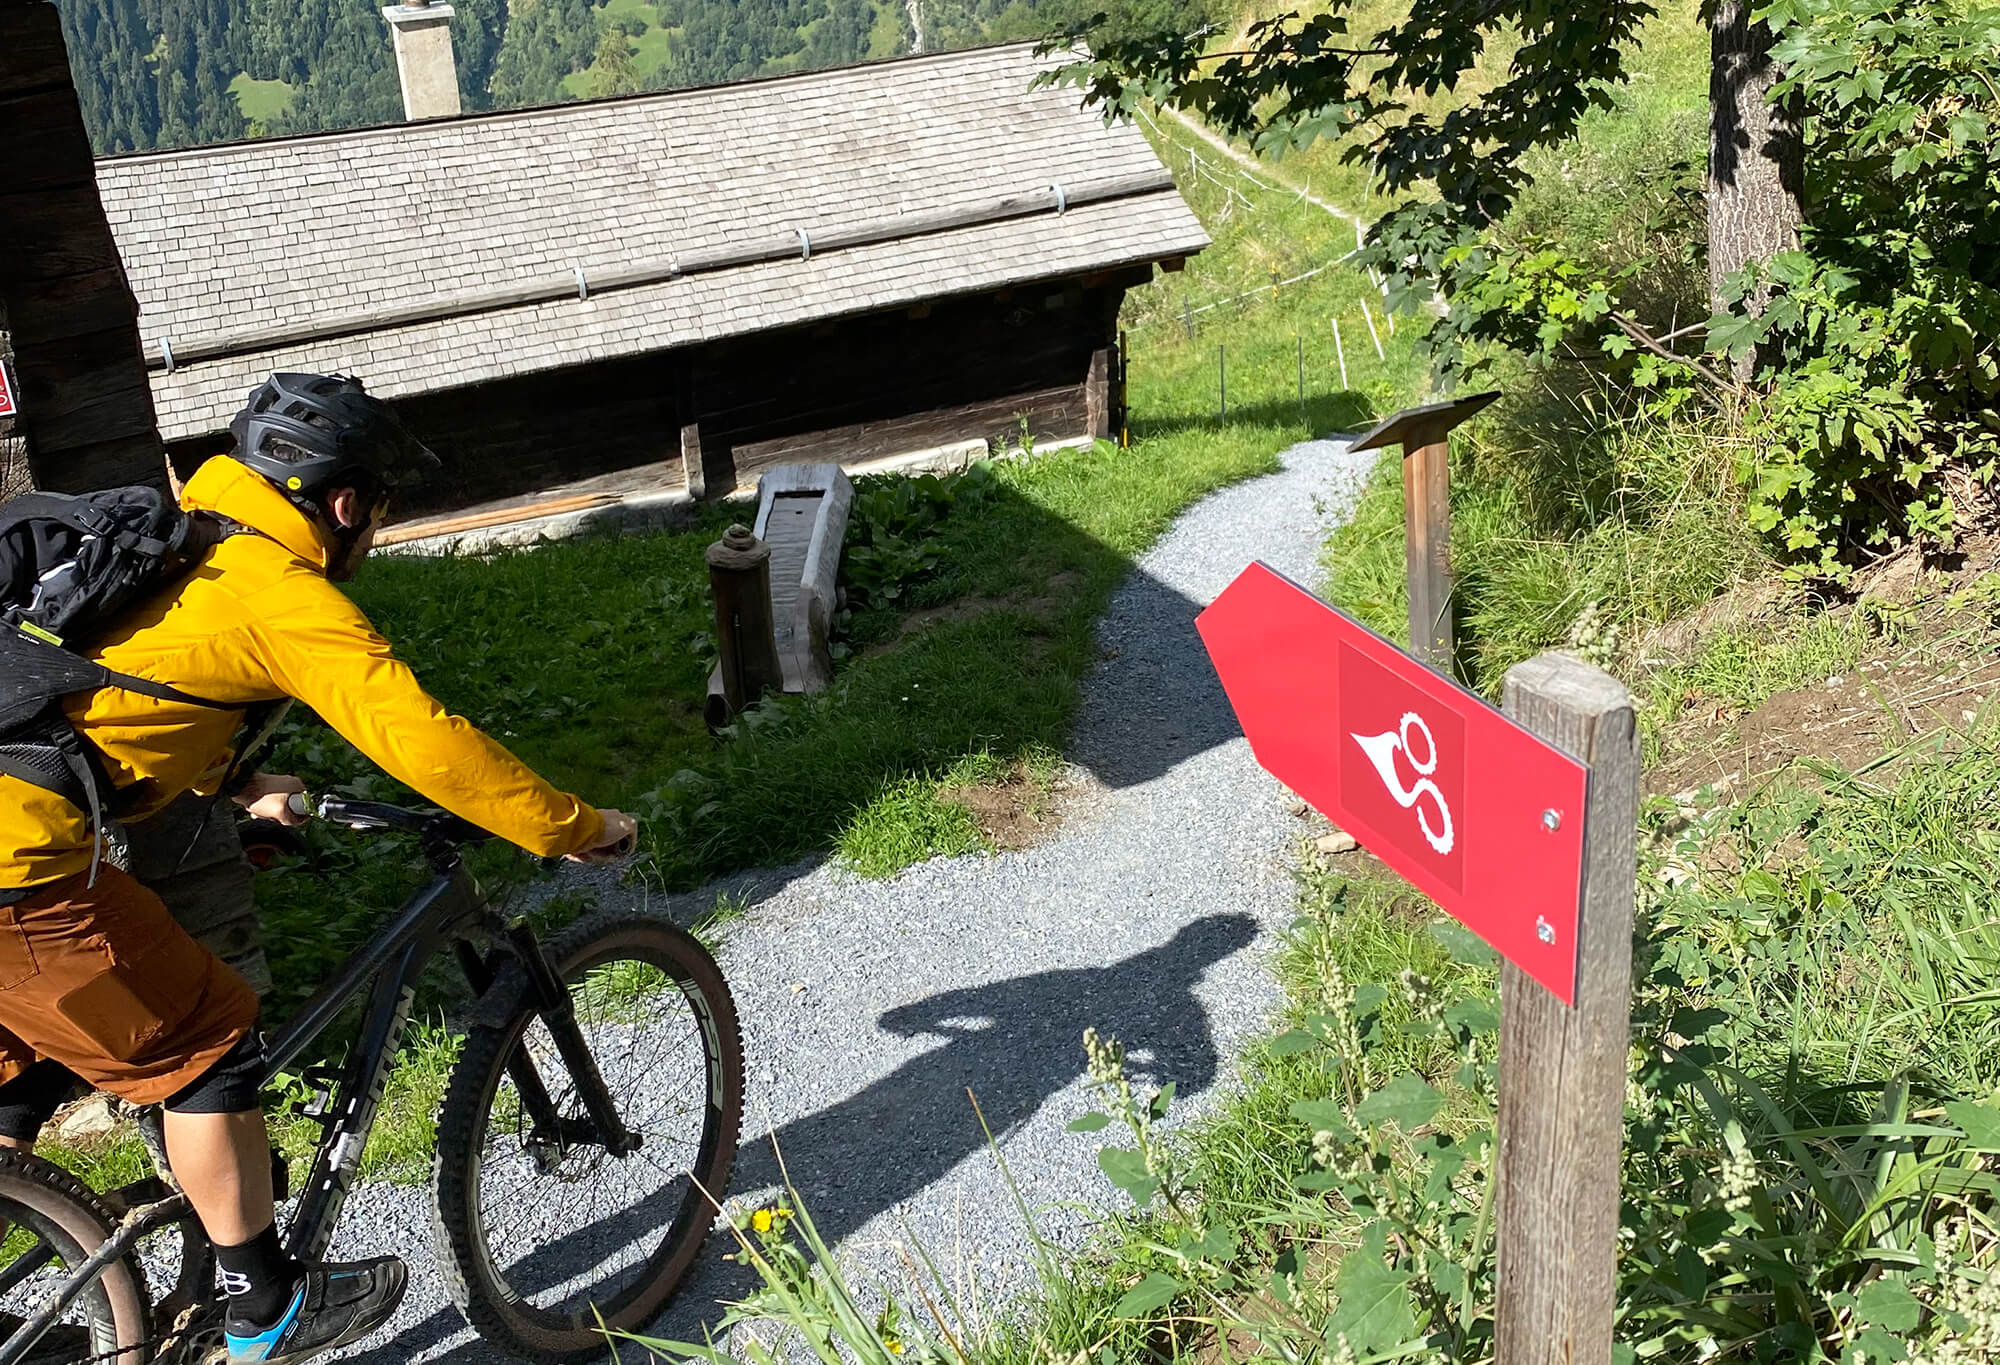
<point>261,101</point>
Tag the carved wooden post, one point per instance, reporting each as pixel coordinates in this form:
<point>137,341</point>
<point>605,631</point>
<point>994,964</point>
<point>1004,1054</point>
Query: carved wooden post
<point>1423,433</point>
<point>1562,1068</point>
<point>739,575</point>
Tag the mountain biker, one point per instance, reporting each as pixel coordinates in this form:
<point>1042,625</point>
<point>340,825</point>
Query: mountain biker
<point>96,977</point>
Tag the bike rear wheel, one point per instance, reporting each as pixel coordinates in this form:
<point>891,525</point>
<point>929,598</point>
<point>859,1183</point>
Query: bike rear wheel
<point>54,1221</point>
<point>541,1236</point>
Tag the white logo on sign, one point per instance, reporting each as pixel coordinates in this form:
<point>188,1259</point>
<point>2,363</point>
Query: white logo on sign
<point>1381,750</point>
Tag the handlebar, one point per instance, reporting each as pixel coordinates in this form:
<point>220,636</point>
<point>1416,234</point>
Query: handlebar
<point>434,825</point>
<point>441,826</point>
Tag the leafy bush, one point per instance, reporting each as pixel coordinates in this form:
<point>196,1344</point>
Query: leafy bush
<point>1882,336</point>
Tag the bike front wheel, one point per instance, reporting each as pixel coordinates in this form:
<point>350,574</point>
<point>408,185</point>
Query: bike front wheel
<point>542,1234</point>
<point>53,1223</point>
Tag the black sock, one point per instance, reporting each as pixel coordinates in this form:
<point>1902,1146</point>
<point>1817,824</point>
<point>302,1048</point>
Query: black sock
<point>258,1277</point>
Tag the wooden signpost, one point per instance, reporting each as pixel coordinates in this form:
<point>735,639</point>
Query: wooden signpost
<point>1522,824</point>
<point>1422,433</point>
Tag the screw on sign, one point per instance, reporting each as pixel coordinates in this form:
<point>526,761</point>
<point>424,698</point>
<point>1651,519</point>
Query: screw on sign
<point>1477,813</point>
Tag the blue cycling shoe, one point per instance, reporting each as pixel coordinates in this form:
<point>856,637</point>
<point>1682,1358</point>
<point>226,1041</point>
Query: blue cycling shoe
<point>335,1305</point>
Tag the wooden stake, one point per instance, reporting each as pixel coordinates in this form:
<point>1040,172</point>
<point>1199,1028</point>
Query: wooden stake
<point>1562,1070</point>
<point>1340,351</point>
<point>1222,381</point>
<point>1427,550</point>
<point>1302,367</point>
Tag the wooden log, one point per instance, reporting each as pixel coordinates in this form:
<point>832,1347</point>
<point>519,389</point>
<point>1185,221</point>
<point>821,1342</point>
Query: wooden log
<point>43,141</point>
<point>802,516</point>
<point>75,306</point>
<point>739,576</point>
<point>105,463</point>
<point>32,54</point>
<point>1427,551</point>
<point>1562,1070</point>
<point>52,233</point>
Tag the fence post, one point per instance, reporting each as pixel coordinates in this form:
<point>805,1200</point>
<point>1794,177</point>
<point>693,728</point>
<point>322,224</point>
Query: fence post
<point>1427,549</point>
<point>739,576</point>
<point>1424,434</point>
<point>1563,1069</point>
<point>1340,351</point>
<point>1222,382</point>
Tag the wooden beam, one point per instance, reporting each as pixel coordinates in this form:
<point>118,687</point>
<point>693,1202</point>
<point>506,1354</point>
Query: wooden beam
<point>1097,395</point>
<point>692,473</point>
<point>1563,1069</point>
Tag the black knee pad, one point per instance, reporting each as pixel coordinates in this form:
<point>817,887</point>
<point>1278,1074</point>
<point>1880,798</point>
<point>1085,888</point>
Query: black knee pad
<point>31,1098</point>
<point>231,1086</point>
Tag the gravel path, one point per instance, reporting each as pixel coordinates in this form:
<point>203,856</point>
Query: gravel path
<point>870,1008</point>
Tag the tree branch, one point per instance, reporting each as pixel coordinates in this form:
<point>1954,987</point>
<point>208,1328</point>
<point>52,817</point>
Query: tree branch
<point>1647,340</point>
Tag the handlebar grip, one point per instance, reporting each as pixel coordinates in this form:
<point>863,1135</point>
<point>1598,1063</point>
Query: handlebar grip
<point>299,803</point>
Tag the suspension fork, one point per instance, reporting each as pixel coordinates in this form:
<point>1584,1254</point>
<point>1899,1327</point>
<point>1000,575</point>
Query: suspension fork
<point>535,1101</point>
<point>558,1012</point>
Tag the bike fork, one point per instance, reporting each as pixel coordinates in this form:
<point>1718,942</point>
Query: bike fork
<point>558,1011</point>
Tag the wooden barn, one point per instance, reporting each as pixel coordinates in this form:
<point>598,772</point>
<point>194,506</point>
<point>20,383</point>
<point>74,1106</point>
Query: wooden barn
<point>666,293</point>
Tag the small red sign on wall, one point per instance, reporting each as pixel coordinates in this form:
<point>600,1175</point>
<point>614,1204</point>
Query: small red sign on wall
<point>1480,815</point>
<point>7,406</point>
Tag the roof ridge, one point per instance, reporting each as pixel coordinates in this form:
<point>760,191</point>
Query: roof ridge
<point>570,108</point>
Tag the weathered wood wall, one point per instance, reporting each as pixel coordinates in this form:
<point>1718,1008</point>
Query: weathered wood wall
<point>846,391</point>
<point>86,411</point>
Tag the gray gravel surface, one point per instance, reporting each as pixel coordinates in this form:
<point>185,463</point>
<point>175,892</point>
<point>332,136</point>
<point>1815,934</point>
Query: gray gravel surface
<point>870,1009</point>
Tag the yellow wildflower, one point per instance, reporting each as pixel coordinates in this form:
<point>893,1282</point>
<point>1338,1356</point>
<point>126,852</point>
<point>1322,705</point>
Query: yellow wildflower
<point>761,1220</point>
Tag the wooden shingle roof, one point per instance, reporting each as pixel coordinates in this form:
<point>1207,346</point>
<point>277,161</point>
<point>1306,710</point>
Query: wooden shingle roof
<point>433,255</point>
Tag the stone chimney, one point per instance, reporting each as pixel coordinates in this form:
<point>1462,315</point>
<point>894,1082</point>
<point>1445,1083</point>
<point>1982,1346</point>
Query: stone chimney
<point>424,60</point>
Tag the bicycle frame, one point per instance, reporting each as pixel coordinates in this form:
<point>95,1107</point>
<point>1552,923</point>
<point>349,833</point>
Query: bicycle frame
<point>452,908</point>
<point>449,909</point>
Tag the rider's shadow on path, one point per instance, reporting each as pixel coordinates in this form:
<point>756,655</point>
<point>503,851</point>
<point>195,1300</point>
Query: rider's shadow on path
<point>1012,1043</point>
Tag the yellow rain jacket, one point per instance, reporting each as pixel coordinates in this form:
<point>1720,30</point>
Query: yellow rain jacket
<point>258,621</point>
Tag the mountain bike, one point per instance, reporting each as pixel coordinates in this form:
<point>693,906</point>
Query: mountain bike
<point>586,1131</point>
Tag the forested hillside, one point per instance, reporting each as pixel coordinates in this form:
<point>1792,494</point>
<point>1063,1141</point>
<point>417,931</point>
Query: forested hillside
<point>170,73</point>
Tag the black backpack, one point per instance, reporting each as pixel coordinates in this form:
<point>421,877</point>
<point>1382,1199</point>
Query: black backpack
<point>69,565</point>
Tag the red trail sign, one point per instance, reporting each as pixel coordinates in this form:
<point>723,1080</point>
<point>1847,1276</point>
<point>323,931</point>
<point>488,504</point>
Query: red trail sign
<point>7,407</point>
<point>1477,813</point>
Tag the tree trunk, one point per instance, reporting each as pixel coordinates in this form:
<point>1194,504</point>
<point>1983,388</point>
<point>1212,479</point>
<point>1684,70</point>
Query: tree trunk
<point>86,411</point>
<point>1756,157</point>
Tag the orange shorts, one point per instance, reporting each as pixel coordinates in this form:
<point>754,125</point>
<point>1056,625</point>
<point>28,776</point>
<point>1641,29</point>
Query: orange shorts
<point>103,980</point>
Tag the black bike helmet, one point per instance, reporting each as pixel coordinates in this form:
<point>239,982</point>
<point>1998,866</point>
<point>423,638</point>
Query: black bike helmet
<point>312,433</point>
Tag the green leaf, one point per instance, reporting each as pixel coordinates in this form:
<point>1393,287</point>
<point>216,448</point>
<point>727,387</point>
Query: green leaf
<point>1162,1101</point>
<point>1981,1124</point>
<point>1408,1101</point>
<point>1291,1043</point>
<point>1330,1115</point>
<point>1156,1290</point>
<point>1888,1303</point>
<point>1126,1168</point>
<point>1090,1123</point>
<point>1375,1312</point>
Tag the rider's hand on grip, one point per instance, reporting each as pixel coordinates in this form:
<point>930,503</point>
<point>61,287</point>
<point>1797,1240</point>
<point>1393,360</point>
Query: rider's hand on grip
<point>621,836</point>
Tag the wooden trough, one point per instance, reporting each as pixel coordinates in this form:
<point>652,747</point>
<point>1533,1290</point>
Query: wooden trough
<point>801,521</point>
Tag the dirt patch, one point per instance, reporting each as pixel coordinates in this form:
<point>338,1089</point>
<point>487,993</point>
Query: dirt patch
<point>1937,672</point>
<point>1015,811</point>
